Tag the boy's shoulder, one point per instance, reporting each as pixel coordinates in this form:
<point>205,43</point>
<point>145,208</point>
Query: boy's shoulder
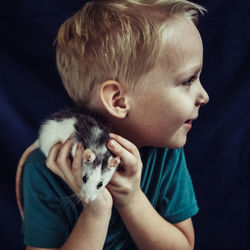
<point>35,157</point>
<point>34,165</point>
<point>37,175</point>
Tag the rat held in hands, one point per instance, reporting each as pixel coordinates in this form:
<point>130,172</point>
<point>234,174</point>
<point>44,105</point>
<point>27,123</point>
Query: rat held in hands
<point>98,165</point>
<point>89,129</point>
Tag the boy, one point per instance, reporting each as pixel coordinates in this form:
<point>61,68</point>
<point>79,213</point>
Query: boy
<point>138,64</point>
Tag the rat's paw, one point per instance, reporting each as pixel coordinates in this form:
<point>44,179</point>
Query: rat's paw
<point>102,204</point>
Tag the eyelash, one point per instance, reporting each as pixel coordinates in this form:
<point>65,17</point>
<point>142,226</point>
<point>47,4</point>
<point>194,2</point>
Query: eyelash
<point>190,81</point>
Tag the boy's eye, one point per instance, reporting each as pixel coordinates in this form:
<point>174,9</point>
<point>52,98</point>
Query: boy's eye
<point>189,81</point>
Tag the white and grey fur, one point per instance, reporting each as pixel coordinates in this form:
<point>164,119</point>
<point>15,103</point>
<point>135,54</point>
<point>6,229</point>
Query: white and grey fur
<point>88,128</point>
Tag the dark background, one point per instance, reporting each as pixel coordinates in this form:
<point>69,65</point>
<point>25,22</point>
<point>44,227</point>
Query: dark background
<point>218,150</point>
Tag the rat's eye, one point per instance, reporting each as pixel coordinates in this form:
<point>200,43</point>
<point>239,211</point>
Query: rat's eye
<point>85,179</point>
<point>99,185</point>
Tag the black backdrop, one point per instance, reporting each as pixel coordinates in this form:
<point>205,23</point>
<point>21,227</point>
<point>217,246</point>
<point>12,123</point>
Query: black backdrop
<point>218,151</point>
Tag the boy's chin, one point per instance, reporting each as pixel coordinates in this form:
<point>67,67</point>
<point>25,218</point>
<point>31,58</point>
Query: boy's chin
<point>176,143</point>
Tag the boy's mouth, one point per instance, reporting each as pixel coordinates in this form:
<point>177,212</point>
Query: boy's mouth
<point>191,120</point>
<point>188,123</point>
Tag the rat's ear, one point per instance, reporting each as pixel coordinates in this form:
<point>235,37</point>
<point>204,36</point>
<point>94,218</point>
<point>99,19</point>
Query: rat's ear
<point>88,155</point>
<point>114,99</point>
<point>114,162</point>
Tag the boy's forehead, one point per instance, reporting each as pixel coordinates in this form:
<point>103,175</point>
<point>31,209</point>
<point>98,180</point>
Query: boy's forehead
<point>182,45</point>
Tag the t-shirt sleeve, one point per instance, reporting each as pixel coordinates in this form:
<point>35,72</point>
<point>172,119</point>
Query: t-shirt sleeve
<point>45,223</point>
<point>179,201</point>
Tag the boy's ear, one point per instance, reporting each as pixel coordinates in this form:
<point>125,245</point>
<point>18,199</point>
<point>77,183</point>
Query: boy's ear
<point>114,99</point>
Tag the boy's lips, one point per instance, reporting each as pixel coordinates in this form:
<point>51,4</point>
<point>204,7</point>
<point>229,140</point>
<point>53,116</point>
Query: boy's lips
<point>188,123</point>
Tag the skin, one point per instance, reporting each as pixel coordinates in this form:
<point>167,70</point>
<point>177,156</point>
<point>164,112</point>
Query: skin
<point>161,113</point>
<point>169,100</point>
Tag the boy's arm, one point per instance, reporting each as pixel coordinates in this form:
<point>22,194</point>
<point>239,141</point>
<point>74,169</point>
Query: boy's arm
<point>151,231</point>
<point>91,227</point>
<point>89,232</point>
<point>147,228</point>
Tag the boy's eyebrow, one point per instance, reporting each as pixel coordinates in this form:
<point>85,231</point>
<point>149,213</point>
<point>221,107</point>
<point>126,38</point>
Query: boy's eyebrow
<point>191,71</point>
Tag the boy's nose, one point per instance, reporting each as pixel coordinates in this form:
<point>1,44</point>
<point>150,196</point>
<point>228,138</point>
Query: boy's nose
<point>203,97</point>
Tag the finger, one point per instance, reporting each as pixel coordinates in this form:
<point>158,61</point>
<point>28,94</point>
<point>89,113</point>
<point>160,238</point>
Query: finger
<point>65,151</point>
<point>64,161</point>
<point>77,161</point>
<point>117,181</point>
<point>126,144</point>
<point>51,160</point>
<point>128,160</point>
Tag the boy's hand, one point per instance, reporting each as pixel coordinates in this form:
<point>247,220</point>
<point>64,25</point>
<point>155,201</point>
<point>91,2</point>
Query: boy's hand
<point>125,183</point>
<point>59,162</point>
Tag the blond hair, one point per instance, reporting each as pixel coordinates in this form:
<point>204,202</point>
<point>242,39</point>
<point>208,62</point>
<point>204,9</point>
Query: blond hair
<point>114,40</point>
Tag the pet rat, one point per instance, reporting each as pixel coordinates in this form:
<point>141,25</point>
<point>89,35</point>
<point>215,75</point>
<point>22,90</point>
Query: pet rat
<point>98,165</point>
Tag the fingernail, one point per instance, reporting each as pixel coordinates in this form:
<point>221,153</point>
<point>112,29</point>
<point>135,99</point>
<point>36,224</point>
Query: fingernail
<point>112,143</point>
<point>79,145</point>
<point>59,143</point>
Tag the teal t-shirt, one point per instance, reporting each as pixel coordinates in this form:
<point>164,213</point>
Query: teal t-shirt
<point>51,211</point>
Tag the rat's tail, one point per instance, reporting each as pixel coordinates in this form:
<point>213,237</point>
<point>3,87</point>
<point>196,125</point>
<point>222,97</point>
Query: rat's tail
<point>19,173</point>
